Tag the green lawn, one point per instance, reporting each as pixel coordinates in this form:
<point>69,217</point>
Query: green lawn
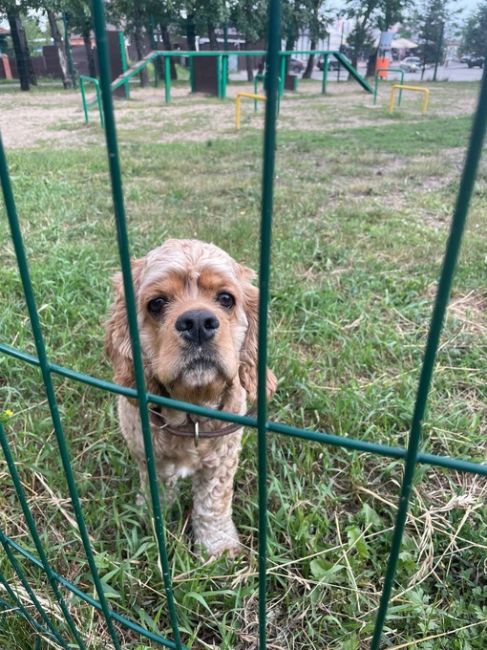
<point>361,220</point>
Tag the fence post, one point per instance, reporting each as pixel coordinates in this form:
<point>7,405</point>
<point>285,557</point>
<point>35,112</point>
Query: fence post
<point>441,303</point>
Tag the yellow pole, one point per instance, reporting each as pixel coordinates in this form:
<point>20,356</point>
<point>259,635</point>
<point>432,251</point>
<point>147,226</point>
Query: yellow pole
<point>237,111</point>
<point>426,99</point>
<point>417,89</point>
<point>391,100</point>
<point>238,105</point>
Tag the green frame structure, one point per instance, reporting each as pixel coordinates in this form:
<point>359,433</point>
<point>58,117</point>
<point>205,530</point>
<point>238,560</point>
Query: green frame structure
<point>378,78</point>
<point>64,634</point>
<point>222,71</point>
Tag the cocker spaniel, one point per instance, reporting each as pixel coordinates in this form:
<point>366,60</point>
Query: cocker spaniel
<point>197,317</point>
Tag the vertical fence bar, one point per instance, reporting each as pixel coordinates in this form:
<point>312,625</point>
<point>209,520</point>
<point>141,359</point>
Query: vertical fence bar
<point>35,535</point>
<point>273,45</point>
<point>48,385</point>
<point>25,583</point>
<point>123,245</point>
<point>441,303</point>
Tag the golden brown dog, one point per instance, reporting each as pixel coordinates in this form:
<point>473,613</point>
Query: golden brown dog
<point>197,317</point>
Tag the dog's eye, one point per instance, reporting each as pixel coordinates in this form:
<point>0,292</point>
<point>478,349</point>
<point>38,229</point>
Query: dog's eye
<point>226,300</point>
<point>156,305</point>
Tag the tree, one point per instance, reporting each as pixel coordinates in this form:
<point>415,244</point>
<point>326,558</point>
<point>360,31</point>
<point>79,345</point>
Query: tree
<point>433,21</point>
<point>474,33</point>
<point>294,21</point>
<point>391,12</point>
<point>163,13</point>
<point>25,71</point>
<point>360,38</point>
<point>249,19</point>
<point>368,14</point>
<point>134,15</point>
<point>78,13</point>
<point>317,24</point>
<point>52,8</point>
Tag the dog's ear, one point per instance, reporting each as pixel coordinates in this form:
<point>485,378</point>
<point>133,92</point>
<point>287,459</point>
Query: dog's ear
<point>118,345</point>
<point>248,354</point>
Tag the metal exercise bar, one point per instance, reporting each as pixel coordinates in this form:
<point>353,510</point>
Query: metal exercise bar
<point>472,160</point>
<point>86,104</point>
<point>378,78</point>
<point>222,71</point>
<point>238,102</point>
<point>123,246</point>
<point>418,89</point>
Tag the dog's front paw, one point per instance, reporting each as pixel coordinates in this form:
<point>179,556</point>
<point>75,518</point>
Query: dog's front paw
<point>218,539</point>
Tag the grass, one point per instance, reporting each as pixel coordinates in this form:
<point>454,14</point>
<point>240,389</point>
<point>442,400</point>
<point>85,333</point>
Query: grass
<point>361,219</point>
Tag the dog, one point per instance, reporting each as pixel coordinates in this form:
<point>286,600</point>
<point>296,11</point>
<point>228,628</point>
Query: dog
<point>197,318</point>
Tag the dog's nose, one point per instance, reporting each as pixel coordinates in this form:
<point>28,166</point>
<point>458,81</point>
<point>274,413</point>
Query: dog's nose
<point>197,326</point>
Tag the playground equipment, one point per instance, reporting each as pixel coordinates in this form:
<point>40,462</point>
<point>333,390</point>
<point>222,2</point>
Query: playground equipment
<point>83,79</point>
<point>378,76</point>
<point>238,103</point>
<point>222,70</point>
<point>417,89</point>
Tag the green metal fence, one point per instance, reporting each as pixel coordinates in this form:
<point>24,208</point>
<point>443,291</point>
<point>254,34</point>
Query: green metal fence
<point>64,635</point>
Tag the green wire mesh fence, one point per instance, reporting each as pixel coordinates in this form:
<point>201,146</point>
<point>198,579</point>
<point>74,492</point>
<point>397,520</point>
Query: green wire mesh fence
<point>64,634</point>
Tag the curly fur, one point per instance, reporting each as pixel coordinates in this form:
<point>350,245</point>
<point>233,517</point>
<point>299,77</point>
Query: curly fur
<point>190,274</point>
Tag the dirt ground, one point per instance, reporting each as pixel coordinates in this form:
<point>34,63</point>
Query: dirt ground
<point>56,117</point>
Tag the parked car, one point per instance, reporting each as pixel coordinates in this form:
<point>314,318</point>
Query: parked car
<point>295,66</point>
<point>475,61</point>
<point>333,64</point>
<point>411,64</point>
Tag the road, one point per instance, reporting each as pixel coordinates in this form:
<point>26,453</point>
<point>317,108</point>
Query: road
<point>453,72</point>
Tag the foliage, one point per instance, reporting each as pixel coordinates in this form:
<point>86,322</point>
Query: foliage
<point>368,14</point>
<point>432,23</point>
<point>474,34</point>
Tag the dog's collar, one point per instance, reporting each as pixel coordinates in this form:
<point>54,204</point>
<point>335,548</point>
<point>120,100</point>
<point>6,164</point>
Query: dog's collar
<point>196,433</point>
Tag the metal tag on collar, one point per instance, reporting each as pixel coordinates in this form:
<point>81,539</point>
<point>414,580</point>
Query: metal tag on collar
<point>196,434</point>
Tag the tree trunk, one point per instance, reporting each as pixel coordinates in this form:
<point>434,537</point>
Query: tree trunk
<point>371,62</point>
<point>191,33</point>
<point>311,60</point>
<point>290,43</point>
<point>20,55</point>
<point>248,63</point>
<point>88,49</point>
<point>212,36</point>
<point>139,46</point>
<point>158,63</point>
<point>166,39</point>
<point>58,42</point>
